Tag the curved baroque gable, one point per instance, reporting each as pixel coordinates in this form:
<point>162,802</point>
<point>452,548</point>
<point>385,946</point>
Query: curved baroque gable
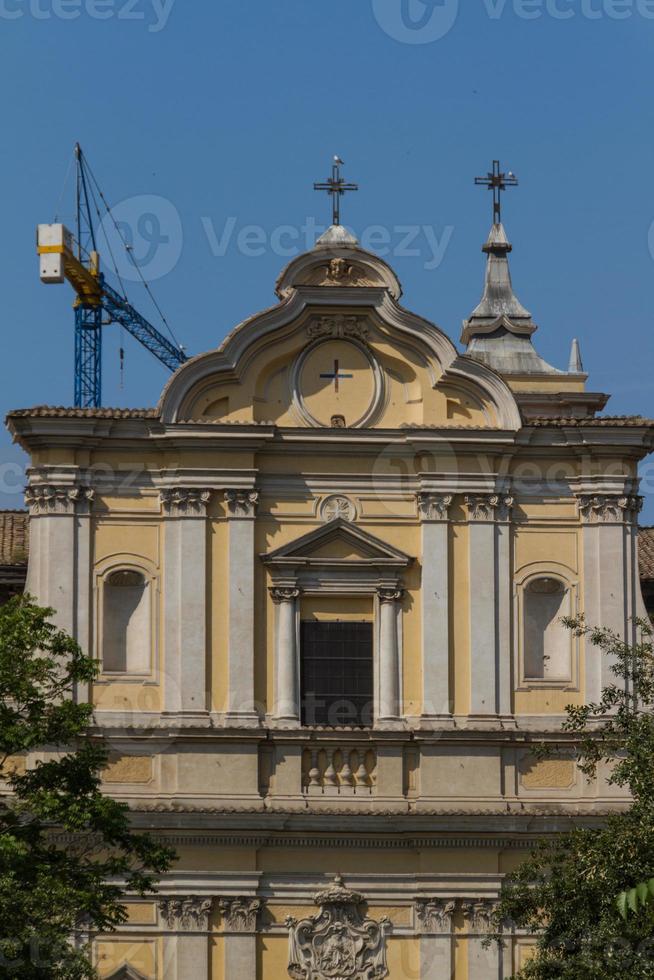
<point>339,351</point>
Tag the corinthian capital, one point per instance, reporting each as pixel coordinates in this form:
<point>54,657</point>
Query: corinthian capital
<point>434,506</point>
<point>240,914</point>
<point>48,498</point>
<point>435,915</point>
<point>186,914</point>
<point>480,915</point>
<point>241,503</point>
<point>184,501</point>
<point>489,507</point>
<point>604,508</point>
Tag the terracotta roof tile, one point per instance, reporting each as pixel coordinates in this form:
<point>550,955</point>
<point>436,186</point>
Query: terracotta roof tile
<point>646,553</point>
<point>623,421</point>
<point>56,412</point>
<point>14,537</point>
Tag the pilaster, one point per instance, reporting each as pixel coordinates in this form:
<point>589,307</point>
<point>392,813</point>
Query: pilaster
<point>185,600</point>
<point>186,942</point>
<point>610,560</point>
<point>434,921</point>
<point>433,510</point>
<point>59,570</point>
<point>240,931</point>
<point>241,511</point>
<point>490,603</point>
<point>484,961</point>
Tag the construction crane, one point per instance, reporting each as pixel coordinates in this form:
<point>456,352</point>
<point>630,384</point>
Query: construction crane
<point>97,304</point>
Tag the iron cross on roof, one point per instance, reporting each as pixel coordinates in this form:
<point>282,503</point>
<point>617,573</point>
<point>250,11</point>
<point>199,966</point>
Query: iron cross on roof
<point>497,182</point>
<point>336,186</point>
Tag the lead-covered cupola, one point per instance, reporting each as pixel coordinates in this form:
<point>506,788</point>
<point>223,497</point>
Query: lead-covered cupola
<point>499,331</point>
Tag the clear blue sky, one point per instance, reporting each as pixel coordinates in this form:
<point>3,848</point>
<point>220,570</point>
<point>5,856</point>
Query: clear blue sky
<point>229,110</point>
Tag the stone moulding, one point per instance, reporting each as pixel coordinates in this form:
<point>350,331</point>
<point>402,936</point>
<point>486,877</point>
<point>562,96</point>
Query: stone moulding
<point>340,943</point>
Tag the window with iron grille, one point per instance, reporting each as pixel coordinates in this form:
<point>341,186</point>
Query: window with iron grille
<point>336,673</point>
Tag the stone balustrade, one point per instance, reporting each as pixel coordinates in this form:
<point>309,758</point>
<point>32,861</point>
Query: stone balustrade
<point>339,771</point>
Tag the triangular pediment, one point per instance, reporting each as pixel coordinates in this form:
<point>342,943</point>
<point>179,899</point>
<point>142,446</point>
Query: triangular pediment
<point>338,542</point>
<point>126,972</point>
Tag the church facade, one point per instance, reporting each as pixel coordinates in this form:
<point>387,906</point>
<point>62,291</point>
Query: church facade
<point>324,580</point>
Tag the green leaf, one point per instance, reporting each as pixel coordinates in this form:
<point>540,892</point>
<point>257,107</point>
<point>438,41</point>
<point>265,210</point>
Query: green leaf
<point>642,892</point>
<point>621,902</point>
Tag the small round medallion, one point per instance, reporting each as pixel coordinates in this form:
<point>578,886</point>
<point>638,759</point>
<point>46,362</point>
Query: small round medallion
<point>337,508</point>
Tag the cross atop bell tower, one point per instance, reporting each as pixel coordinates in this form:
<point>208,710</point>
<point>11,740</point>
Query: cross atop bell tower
<point>336,186</point>
<point>497,181</point>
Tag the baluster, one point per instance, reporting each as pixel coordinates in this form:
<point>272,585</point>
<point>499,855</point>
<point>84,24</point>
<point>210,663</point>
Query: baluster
<point>330,781</point>
<point>347,778</point>
<point>314,772</point>
<point>363,782</point>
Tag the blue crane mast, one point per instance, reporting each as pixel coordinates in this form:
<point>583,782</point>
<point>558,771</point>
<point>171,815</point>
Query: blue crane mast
<point>97,304</point>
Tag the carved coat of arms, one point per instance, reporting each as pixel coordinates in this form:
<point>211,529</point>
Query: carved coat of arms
<point>339,943</point>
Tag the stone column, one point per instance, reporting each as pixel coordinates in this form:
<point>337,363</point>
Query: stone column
<point>241,508</point>
<point>610,574</point>
<point>490,604</point>
<point>240,932</point>
<point>389,656</point>
<point>433,510</point>
<point>434,919</point>
<point>287,693</point>
<point>185,599</point>
<point>484,962</point>
<point>59,570</point>
<point>186,945</point>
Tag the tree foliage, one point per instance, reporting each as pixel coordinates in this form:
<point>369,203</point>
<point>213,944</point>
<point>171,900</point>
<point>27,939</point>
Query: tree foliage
<point>565,893</point>
<point>67,852</point>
